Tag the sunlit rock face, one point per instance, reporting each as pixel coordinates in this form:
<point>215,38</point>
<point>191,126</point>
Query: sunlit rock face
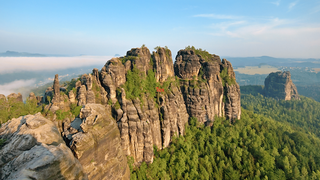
<point>34,149</point>
<point>211,97</point>
<point>280,86</point>
<point>143,122</point>
<point>112,125</point>
<point>94,139</point>
<point>162,64</point>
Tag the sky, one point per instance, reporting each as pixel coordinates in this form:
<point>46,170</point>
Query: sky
<point>277,28</point>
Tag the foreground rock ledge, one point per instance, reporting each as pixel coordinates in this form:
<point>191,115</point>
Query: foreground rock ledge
<point>34,149</point>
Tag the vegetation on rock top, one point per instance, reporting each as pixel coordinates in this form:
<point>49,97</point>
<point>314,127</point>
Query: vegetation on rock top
<point>11,109</point>
<point>203,53</point>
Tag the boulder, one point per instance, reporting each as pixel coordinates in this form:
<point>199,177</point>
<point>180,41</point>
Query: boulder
<point>34,149</point>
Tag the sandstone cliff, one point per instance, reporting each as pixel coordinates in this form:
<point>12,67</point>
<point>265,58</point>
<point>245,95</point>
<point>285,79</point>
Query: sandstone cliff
<point>280,86</point>
<point>137,102</point>
<point>209,86</point>
<point>197,85</point>
<point>94,138</point>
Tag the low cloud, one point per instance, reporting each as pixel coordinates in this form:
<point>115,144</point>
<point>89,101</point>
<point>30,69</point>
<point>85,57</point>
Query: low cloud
<point>13,64</point>
<point>18,86</point>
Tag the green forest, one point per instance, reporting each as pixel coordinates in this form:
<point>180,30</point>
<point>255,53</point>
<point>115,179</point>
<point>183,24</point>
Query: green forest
<point>272,140</point>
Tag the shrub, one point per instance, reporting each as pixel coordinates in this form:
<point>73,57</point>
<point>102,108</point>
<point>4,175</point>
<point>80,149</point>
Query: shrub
<point>61,115</point>
<point>226,78</point>
<point>75,110</point>
<point>127,58</point>
<point>117,105</point>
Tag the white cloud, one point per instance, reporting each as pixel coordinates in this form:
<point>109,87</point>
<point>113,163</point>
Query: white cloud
<point>242,29</point>
<point>217,16</point>
<point>13,87</point>
<point>277,3</point>
<point>12,64</point>
<point>225,25</point>
<point>273,37</point>
<point>292,4</point>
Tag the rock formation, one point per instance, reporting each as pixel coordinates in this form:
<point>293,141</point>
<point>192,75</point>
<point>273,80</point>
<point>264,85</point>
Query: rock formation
<point>205,94</point>
<point>94,138</point>
<point>144,122</point>
<point>162,64</point>
<point>116,121</point>
<point>34,149</point>
<point>280,86</point>
<point>56,90</point>
<point>3,97</point>
<point>15,97</point>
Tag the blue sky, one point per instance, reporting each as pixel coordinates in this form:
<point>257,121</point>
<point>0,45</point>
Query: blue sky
<point>278,28</point>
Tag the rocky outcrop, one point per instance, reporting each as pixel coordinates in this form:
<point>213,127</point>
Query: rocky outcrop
<point>197,85</point>
<point>205,92</point>
<point>15,97</point>
<point>162,64</point>
<point>280,86</point>
<point>2,97</point>
<point>145,122</point>
<point>187,64</point>
<point>34,149</point>
<point>141,58</point>
<point>56,90</point>
<point>94,138</point>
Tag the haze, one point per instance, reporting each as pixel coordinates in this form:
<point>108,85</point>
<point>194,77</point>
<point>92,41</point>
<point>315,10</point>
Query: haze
<point>14,64</point>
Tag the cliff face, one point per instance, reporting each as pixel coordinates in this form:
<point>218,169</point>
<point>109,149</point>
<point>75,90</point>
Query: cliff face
<point>280,86</point>
<point>140,101</point>
<point>143,122</point>
<point>205,92</point>
<point>94,138</point>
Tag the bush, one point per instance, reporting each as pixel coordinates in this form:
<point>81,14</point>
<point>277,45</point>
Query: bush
<point>61,115</point>
<point>127,58</point>
<point>226,78</point>
<point>75,110</point>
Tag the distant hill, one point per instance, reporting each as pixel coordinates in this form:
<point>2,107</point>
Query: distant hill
<point>26,54</point>
<point>287,62</point>
<point>20,54</point>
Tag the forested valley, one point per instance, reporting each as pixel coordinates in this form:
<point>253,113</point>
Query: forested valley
<point>274,139</point>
